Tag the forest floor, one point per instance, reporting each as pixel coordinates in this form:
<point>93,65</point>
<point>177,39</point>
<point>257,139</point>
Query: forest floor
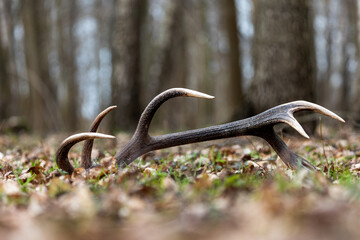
<point>218,190</point>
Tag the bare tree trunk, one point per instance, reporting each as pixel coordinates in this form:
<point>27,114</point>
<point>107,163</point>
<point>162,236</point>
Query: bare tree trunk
<point>324,85</point>
<point>5,92</point>
<point>171,64</point>
<point>348,33</point>
<point>197,59</point>
<point>350,13</point>
<point>174,71</point>
<point>10,90</point>
<point>283,50</point>
<point>173,23</point>
<point>42,90</point>
<point>66,48</point>
<point>233,90</point>
<point>344,103</point>
<point>125,44</point>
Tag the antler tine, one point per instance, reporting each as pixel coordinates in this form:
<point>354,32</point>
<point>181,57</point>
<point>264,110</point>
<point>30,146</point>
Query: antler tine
<point>260,125</point>
<point>304,105</point>
<point>88,144</point>
<point>153,106</point>
<point>62,153</point>
<point>290,159</point>
<point>139,143</point>
<point>284,113</point>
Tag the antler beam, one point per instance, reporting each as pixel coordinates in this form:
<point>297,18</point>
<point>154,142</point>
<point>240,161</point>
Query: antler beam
<point>260,125</point>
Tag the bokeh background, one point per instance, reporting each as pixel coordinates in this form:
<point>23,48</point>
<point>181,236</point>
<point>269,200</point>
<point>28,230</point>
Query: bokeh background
<point>63,61</point>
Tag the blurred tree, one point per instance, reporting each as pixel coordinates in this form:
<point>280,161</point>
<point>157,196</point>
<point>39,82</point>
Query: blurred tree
<point>324,84</point>
<point>172,65</point>
<point>5,93</point>
<point>66,44</point>
<point>232,92</point>
<point>284,58</point>
<point>349,43</point>
<point>125,79</point>
<point>102,13</point>
<point>43,100</point>
<point>10,99</point>
<point>197,55</point>
<point>144,47</point>
<point>172,25</point>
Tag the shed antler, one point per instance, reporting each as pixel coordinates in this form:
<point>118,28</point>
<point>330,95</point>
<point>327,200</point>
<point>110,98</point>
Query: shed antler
<point>88,144</point>
<point>62,153</point>
<point>260,125</point>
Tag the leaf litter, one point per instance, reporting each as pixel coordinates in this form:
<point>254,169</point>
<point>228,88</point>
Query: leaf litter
<point>197,191</point>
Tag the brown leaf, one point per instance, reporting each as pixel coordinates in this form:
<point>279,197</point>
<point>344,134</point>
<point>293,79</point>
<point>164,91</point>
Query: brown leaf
<point>35,170</point>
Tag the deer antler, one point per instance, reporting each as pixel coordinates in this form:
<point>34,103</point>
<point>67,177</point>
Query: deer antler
<point>88,144</point>
<point>62,153</point>
<point>260,125</point>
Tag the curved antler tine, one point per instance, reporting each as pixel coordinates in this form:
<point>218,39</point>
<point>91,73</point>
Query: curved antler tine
<point>62,153</point>
<point>193,93</point>
<point>292,122</point>
<point>153,106</point>
<point>284,113</point>
<point>95,124</point>
<point>140,141</point>
<point>304,105</point>
<point>88,144</point>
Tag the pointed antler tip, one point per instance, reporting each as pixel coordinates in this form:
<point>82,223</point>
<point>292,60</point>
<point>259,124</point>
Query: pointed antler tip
<point>105,136</point>
<point>193,93</point>
<point>303,133</point>
<point>107,110</point>
<point>341,120</point>
<point>89,135</point>
<point>112,107</point>
<point>329,113</point>
<point>296,125</point>
<point>301,104</point>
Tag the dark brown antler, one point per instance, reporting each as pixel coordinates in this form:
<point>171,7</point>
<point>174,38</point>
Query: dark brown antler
<point>260,125</point>
<point>62,153</point>
<point>88,144</point>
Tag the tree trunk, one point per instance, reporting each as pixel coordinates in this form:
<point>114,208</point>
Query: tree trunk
<point>10,99</point>
<point>67,13</point>
<point>197,59</point>
<point>324,84</point>
<point>233,89</point>
<point>351,36</point>
<point>125,44</point>
<point>5,92</point>
<point>283,50</point>
<point>42,90</point>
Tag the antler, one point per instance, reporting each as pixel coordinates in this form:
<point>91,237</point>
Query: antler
<point>62,153</point>
<point>88,144</point>
<point>260,125</point>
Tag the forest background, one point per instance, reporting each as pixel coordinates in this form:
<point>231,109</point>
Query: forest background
<point>62,62</point>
